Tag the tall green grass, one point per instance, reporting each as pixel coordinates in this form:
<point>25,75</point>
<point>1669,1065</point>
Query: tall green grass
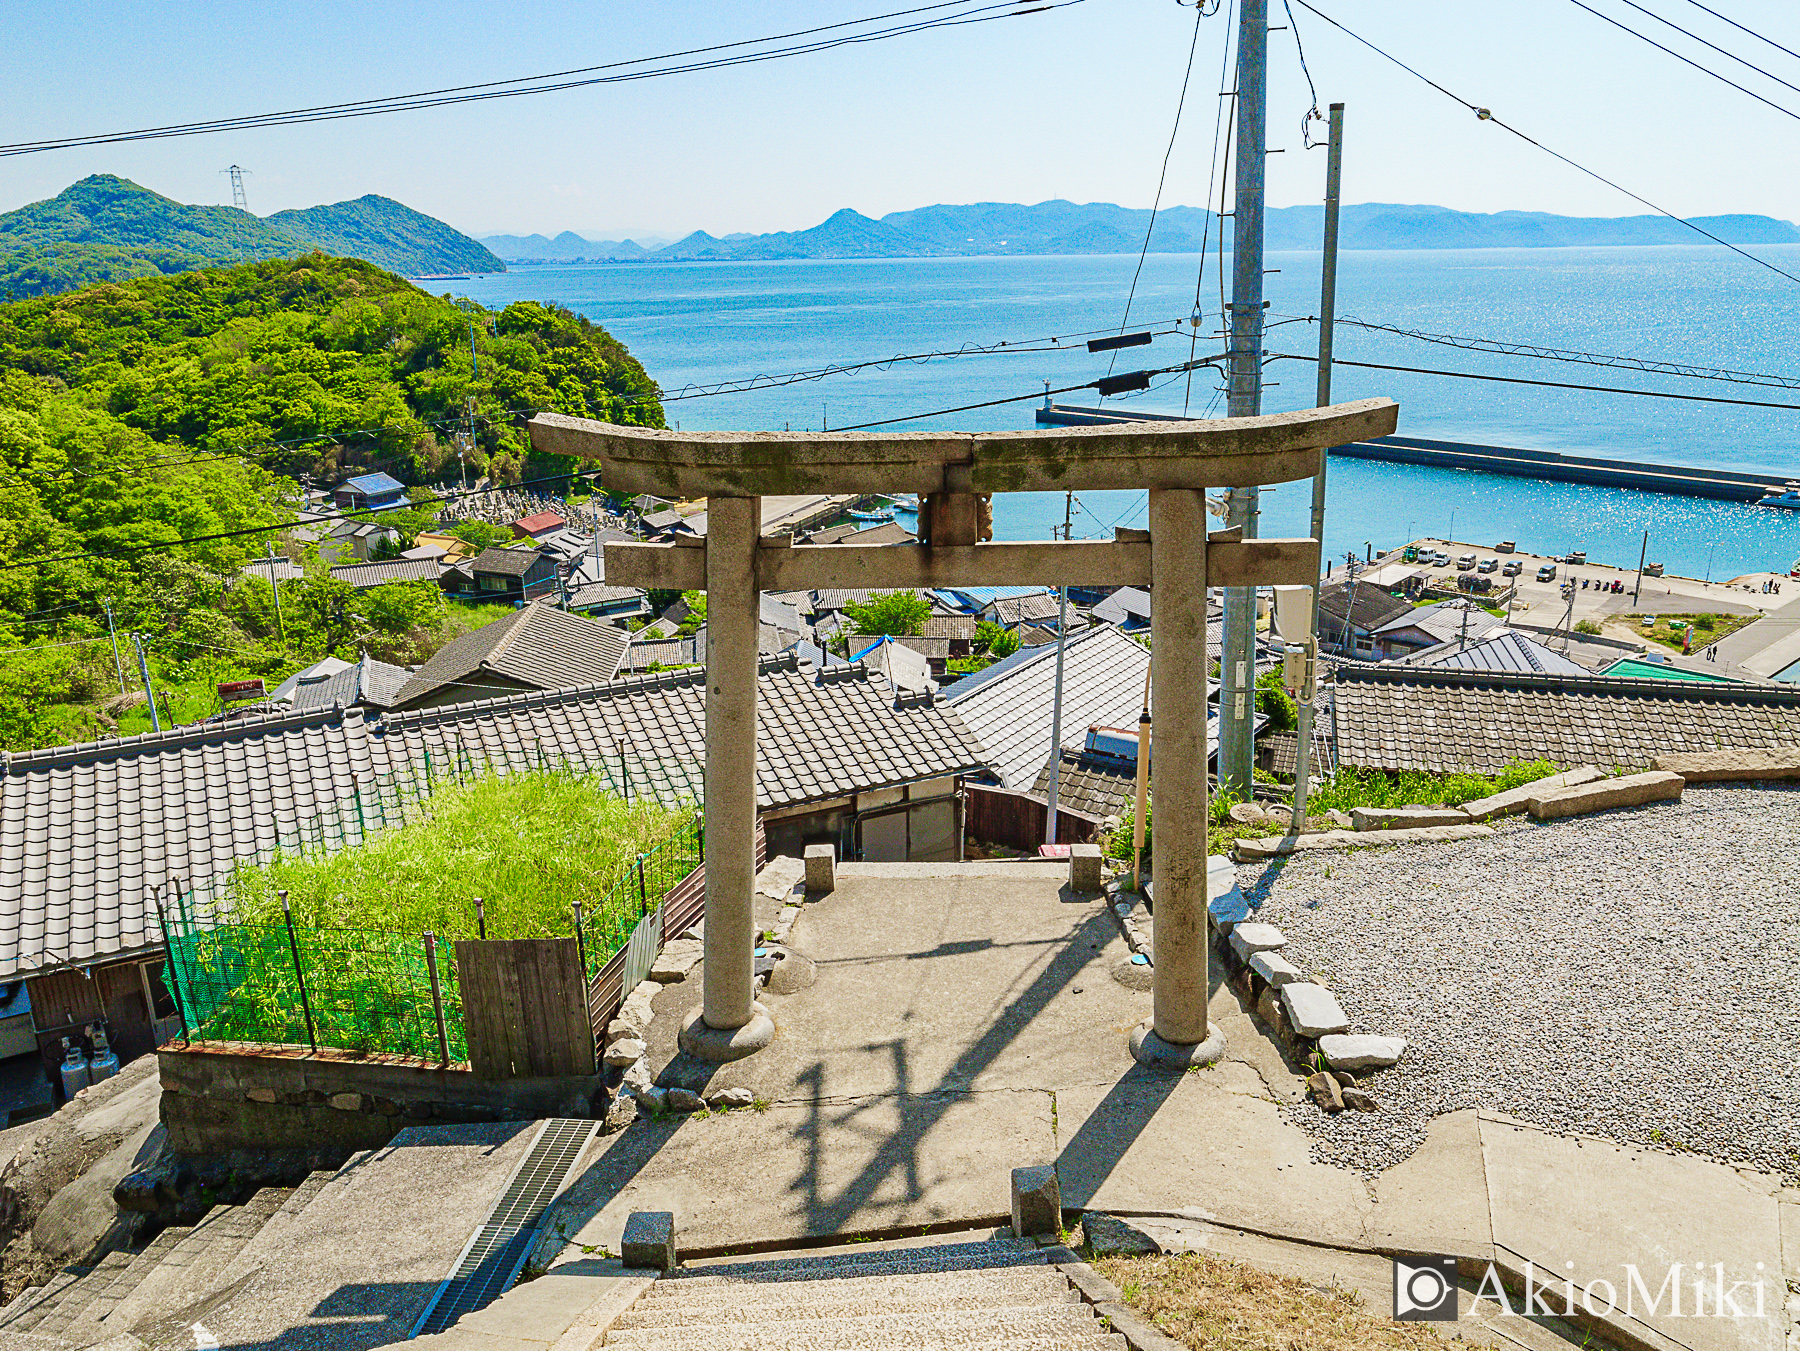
<point>529,844</point>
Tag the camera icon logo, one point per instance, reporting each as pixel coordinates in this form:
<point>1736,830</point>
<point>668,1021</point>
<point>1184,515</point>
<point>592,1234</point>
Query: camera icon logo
<point>1425,1289</point>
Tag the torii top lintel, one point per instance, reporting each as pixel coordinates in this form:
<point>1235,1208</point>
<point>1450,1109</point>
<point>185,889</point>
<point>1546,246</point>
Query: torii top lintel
<point>1209,453</point>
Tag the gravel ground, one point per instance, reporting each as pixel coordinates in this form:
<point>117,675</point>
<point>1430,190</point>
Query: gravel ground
<point>1630,975</point>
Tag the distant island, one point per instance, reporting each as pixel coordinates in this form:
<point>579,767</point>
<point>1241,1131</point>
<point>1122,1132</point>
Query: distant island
<point>1059,227</point>
<point>108,229</point>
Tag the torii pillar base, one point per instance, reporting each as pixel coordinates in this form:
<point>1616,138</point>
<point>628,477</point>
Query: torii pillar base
<point>1151,1050</point>
<point>716,1045</point>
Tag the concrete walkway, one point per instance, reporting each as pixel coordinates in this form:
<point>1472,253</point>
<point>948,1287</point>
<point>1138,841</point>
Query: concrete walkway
<point>968,1020</point>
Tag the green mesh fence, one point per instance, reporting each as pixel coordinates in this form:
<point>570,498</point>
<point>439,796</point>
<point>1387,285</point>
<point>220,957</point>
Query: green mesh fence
<point>639,890</point>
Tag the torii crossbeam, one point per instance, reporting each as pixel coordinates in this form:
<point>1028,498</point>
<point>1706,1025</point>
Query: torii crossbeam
<point>953,473</point>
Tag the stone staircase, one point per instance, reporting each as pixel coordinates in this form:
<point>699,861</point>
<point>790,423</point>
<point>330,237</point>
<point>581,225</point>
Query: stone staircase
<point>83,1306</point>
<point>972,1296</point>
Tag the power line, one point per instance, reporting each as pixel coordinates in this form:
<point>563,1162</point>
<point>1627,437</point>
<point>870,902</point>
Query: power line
<point>1546,384</point>
<point>1212,168</point>
<point>1704,70</point>
<point>1486,115</point>
<point>1740,27</point>
<point>1715,46</point>
<point>555,82</point>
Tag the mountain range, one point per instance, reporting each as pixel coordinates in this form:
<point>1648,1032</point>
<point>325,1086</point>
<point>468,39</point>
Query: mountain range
<point>1060,227</point>
<point>106,228</point>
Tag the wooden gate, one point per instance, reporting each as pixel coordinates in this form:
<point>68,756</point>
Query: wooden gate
<point>525,1008</point>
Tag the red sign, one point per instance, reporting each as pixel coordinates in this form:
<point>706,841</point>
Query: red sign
<point>231,691</point>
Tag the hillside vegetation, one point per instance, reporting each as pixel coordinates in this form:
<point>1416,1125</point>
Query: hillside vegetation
<point>137,414</point>
<point>108,229</point>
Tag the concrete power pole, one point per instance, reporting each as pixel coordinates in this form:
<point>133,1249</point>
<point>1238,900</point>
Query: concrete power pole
<point>1062,630</point>
<point>275,586</point>
<point>113,632</point>
<point>1237,670</point>
<point>144,671</point>
<point>1306,687</point>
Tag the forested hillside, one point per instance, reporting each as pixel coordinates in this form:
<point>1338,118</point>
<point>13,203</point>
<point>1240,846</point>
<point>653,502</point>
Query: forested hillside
<point>170,407</point>
<point>106,228</point>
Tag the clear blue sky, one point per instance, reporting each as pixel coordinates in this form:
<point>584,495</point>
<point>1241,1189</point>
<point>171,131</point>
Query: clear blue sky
<point>1075,103</point>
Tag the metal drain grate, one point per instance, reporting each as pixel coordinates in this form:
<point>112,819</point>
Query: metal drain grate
<point>495,1254</point>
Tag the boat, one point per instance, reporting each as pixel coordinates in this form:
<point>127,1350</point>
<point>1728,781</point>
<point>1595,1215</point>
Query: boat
<point>879,514</point>
<point>1787,498</point>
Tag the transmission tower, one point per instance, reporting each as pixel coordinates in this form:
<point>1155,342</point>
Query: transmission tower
<point>241,202</point>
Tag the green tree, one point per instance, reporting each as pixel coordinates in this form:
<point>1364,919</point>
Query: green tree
<point>1005,645</point>
<point>481,534</point>
<point>894,612</point>
<point>695,618</point>
<point>1274,702</point>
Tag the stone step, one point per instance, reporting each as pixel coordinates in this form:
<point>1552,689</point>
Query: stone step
<point>297,1199</point>
<point>662,1315</point>
<point>189,1269</point>
<point>78,1296</point>
<point>1060,1323</point>
<point>887,1261</point>
<point>84,1326</point>
<point>256,1254</point>
<point>731,1303</point>
<point>32,1306</point>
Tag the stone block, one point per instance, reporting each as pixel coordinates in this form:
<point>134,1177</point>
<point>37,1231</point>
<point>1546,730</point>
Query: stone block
<point>1732,766</point>
<point>1275,846</point>
<point>821,869</point>
<point>1254,936</point>
<point>1275,968</point>
<point>1036,1201</point>
<point>683,1100</point>
<point>1221,875</point>
<point>1514,799</point>
<point>625,1052</point>
<point>1107,1236</point>
<point>1347,1052</point>
<point>1312,1010</point>
<point>1228,909</point>
<point>346,1102</point>
<point>649,1240</point>
<point>1084,867</point>
<point>676,959</point>
<point>1387,818</point>
<point>725,1099</point>
<point>1630,790</point>
<point>263,1095</point>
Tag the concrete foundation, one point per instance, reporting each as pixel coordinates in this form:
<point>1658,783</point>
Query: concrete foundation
<point>219,1096</point>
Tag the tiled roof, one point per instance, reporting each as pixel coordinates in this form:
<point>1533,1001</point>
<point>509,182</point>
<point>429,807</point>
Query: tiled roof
<point>537,645</point>
<point>950,626</point>
<point>926,647</point>
<point>1283,750</point>
<point>372,683</point>
<point>888,532</point>
<point>1010,610</point>
<point>974,598</point>
<point>1447,621</point>
<point>599,593</point>
<point>86,830</point>
<point>1374,607</point>
<point>365,575</point>
<point>1008,706</point>
<point>1427,718</point>
<point>280,569</point>
<point>539,523</point>
<point>504,562</point>
<point>836,598</point>
<point>820,734</point>
<point>1127,603</point>
<point>677,651</point>
<point>1098,785</point>
<point>371,485</point>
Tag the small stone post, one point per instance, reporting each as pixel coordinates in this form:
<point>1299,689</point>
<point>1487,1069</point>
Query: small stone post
<point>821,869</point>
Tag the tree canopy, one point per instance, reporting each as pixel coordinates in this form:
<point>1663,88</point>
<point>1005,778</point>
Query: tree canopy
<point>899,613</point>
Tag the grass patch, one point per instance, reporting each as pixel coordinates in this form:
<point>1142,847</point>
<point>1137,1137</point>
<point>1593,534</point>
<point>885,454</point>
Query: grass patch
<point>1671,631</point>
<point>1207,1302</point>
<point>529,844</point>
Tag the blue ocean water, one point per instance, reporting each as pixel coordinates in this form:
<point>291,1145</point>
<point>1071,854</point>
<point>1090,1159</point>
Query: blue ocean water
<point>695,323</point>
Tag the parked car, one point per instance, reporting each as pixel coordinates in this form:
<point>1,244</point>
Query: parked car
<point>1487,565</point>
<point>1466,563</point>
<point>1513,567</point>
<point>1547,573</point>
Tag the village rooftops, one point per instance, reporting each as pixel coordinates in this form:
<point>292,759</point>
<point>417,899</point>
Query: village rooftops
<point>536,647</point>
<point>1504,650</point>
<point>503,562</point>
<point>362,576</point>
<point>534,526</point>
<point>1394,717</point>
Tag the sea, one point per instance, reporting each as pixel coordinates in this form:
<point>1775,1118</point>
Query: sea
<point>695,324</point>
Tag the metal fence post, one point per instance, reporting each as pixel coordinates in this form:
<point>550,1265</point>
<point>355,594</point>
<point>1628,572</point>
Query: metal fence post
<point>437,997</point>
<point>287,914</point>
<point>580,941</point>
<point>173,968</point>
<point>481,917</point>
<point>643,899</point>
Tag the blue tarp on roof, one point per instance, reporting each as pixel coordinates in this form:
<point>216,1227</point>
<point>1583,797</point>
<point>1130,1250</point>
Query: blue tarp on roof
<point>375,485</point>
<point>974,598</point>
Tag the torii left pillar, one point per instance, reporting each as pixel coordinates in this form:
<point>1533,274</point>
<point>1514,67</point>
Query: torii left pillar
<point>730,1023</point>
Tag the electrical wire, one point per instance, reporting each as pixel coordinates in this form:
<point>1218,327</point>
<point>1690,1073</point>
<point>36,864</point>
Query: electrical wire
<point>1486,115</point>
<point>1740,27</point>
<point>555,81</point>
<point>1704,70</point>
<point>1312,114</point>
<point>1162,177</point>
<point>1546,384</point>
<point>1213,167</point>
<point>1722,51</point>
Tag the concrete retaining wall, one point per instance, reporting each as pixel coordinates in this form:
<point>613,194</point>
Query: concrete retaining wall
<point>220,1096</point>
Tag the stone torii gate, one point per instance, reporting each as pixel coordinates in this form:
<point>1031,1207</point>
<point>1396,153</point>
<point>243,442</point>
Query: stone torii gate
<point>954,473</point>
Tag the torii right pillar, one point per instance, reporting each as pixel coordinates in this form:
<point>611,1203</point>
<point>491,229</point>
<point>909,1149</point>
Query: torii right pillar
<point>1178,1034</point>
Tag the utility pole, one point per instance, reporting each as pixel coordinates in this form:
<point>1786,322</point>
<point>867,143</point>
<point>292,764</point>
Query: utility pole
<point>1305,685</point>
<point>275,586</point>
<point>1244,383</point>
<point>1643,553</point>
<point>113,632</point>
<point>236,174</point>
<point>144,670</point>
<point>1062,626</point>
